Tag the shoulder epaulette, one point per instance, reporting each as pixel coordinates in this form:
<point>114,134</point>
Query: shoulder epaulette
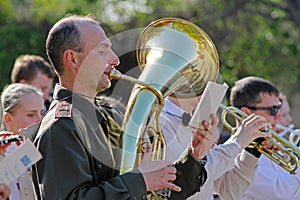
<point>63,110</point>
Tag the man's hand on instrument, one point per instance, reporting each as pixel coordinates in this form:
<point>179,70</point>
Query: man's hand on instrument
<point>250,129</point>
<point>157,174</point>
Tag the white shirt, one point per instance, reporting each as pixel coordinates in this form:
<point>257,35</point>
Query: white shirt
<point>229,171</point>
<point>273,182</point>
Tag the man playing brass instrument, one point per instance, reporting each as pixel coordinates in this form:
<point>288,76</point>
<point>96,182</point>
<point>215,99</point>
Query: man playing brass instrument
<point>259,96</point>
<point>79,140</point>
<point>230,168</point>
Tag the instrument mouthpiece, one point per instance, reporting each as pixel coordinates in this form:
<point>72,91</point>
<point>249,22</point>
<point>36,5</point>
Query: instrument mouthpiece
<point>115,74</point>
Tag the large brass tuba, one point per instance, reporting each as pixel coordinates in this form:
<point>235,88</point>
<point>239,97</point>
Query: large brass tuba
<point>176,57</point>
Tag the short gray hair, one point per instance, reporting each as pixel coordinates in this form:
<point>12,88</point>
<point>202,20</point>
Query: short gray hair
<point>66,35</point>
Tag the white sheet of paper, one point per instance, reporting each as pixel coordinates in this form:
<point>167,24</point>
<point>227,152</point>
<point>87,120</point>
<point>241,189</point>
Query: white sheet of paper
<point>209,103</point>
<point>16,163</point>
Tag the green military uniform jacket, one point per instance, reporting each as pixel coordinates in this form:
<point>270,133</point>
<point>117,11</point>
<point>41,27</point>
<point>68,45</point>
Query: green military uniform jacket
<point>79,143</point>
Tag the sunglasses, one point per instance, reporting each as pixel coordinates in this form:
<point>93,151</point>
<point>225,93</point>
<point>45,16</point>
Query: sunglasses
<point>273,109</point>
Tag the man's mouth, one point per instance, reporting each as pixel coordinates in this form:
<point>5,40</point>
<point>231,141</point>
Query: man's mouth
<point>106,73</point>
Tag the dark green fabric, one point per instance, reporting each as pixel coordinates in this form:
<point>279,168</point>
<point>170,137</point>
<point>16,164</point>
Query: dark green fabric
<point>81,157</point>
<point>67,170</point>
<point>191,174</point>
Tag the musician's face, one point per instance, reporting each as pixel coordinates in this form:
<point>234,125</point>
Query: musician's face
<point>97,58</point>
<point>268,101</point>
<point>28,111</point>
<point>285,118</point>
<point>43,82</point>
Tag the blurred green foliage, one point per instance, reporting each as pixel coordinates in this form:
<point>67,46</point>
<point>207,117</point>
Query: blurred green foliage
<point>257,37</point>
<point>18,39</point>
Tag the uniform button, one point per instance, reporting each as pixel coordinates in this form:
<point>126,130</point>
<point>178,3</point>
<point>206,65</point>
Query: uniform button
<point>199,177</point>
<point>99,165</point>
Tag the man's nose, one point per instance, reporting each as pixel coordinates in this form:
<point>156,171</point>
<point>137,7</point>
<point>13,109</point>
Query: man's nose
<point>115,61</point>
<point>38,118</point>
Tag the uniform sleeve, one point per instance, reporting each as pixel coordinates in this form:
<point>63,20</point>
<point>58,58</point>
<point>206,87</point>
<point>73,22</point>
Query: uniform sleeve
<point>190,176</point>
<point>234,182</point>
<point>65,171</point>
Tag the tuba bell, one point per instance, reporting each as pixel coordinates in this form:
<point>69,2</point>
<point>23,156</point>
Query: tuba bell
<point>176,58</point>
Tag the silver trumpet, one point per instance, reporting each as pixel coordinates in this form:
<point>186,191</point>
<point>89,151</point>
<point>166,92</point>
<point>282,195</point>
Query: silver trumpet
<point>293,134</point>
<point>284,129</point>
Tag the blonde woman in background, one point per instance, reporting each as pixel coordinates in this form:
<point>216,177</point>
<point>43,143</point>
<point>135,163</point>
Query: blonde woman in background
<point>22,105</point>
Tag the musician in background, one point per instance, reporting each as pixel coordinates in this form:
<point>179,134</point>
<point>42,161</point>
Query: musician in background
<point>23,105</point>
<point>36,71</point>
<point>230,168</point>
<point>4,189</point>
<point>285,120</point>
<point>259,96</point>
<point>285,110</point>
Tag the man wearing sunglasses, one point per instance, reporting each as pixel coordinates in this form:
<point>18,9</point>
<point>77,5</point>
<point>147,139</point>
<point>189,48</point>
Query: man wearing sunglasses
<point>274,109</point>
<point>259,96</point>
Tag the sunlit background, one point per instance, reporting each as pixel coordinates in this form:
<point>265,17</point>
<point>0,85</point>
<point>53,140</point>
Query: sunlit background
<point>253,37</point>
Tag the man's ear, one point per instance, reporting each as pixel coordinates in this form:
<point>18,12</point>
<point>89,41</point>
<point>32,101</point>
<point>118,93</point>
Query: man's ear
<point>245,110</point>
<point>70,58</point>
<point>23,81</point>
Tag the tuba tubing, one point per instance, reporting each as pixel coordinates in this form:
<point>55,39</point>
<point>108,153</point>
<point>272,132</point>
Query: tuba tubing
<point>176,58</point>
<point>158,146</point>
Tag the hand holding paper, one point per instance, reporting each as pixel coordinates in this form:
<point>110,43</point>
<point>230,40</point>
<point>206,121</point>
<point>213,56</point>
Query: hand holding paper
<point>16,163</point>
<point>209,103</point>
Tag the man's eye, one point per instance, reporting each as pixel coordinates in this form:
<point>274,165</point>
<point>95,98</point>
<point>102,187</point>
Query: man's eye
<point>102,52</point>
